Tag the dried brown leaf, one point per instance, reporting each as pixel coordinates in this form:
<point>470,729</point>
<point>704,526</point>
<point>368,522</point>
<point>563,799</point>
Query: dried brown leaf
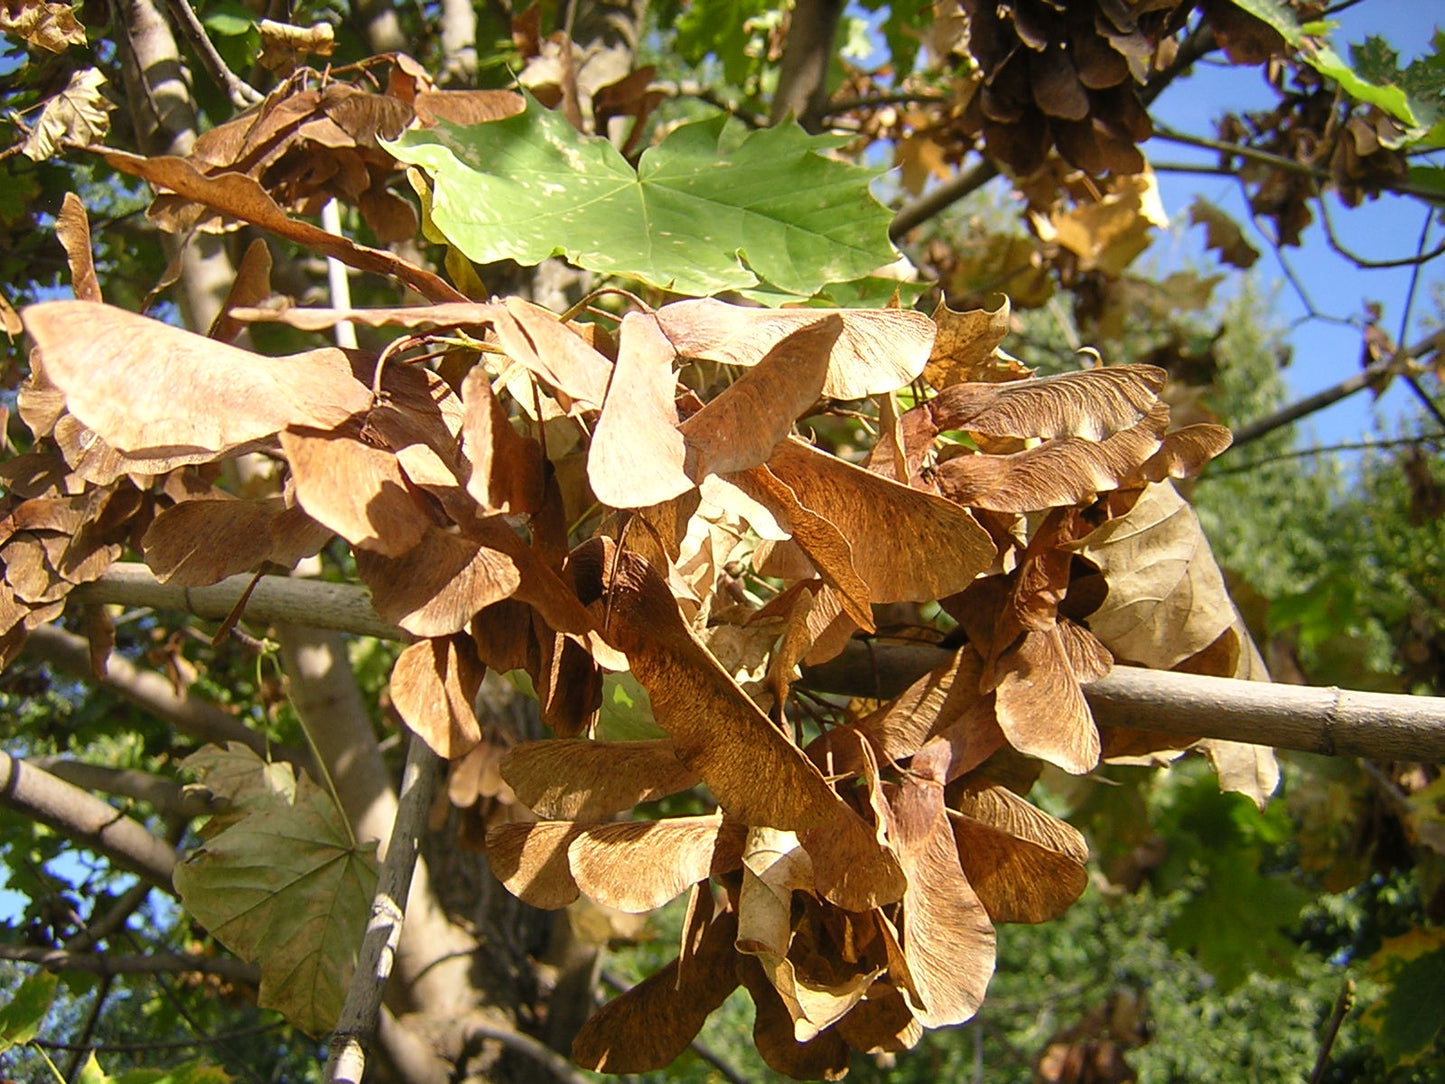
<point>1093,403</point>
<point>507,474</point>
<point>1054,474</point>
<point>243,197</point>
<point>44,25</point>
<point>823,1057</point>
<point>553,351</point>
<point>589,781</point>
<point>77,116</point>
<point>907,545</point>
<point>879,350</point>
<point>1167,599</point>
<point>757,775</point>
<point>251,287</point>
<point>202,542</point>
<point>966,348</point>
<point>72,230</point>
<point>531,861</point>
<point>948,941</point>
<point>882,1023</point>
<point>151,390</point>
<point>433,685</point>
<point>930,705</point>
<point>1041,708</point>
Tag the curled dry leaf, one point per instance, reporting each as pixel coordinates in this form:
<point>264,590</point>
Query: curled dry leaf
<point>878,350</point>
<point>966,348</point>
<point>531,861</point>
<point>824,1056</point>
<point>196,543</point>
<point>757,775</point>
<point>551,350</point>
<point>1025,865</point>
<point>589,781</point>
<point>948,941</point>
<point>882,1023</point>
<point>1055,474</point>
<point>927,707</point>
<point>507,473</point>
<point>741,426</point>
<point>1091,404</point>
<point>434,684</point>
<point>72,230</point>
<point>147,388</point>
<point>243,197</point>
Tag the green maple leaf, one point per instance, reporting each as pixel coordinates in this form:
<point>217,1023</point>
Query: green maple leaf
<point>714,207</point>
<point>1409,1016</point>
<point>283,885</point>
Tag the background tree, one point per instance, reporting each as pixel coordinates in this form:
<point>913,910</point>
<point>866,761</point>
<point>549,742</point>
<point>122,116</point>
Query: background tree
<point>1343,870</point>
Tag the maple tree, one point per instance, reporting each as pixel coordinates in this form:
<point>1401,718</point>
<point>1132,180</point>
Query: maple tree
<point>799,588</point>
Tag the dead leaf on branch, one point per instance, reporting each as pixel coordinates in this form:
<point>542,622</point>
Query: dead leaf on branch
<point>1025,865</point>
<point>589,781</point>
<point>149,389</point>
<point>650,1025</point>
<point>78,116</point>
<point>1167,599</point>
<point>966,350</point>
<point>877,351</point>
<point>42,24</point>
<point>196,543</point>
<point>433,685</point>
<point>438,586</point>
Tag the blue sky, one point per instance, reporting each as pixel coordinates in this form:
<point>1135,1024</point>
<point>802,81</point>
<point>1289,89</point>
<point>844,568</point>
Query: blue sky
<point>1324,352</point>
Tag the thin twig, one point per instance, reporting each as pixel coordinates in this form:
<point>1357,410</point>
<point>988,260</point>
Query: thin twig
<point>161,1044</point>
<point>356,1028</point>
<point>148,963</point>
<point>1212,472</point>
<point>1420,256</point>
<point>1343,1004</point>
<point>528,1047</point>
<point>92,1020</point>
<point>945,195</point>
<point>241,93</point>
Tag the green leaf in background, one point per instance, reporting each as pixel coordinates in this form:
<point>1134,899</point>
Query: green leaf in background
<point>285,886</point>
<point>1409,1016</point>
<point>714,207</point>
<point>20,1020</point>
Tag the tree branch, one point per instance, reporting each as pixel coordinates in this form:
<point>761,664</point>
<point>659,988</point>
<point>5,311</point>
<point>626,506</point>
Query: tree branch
<point>945,195</point>
<point>86,819</point>
<point>241,93</point>
<point>150,691</point>
<point>803,73</point>
<point>1366,378</point>
<point>150,963</point>
<point>1285,716</point>
<point>168,797</point>
<point>357,1025</point>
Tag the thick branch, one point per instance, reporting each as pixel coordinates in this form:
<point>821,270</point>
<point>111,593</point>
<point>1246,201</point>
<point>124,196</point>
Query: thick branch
<point>85,819</point>
<point>1285,716</point>
<point>314,603</point>
<point>151,963</point>
<point>168,797</point>
<point>803,75</point>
